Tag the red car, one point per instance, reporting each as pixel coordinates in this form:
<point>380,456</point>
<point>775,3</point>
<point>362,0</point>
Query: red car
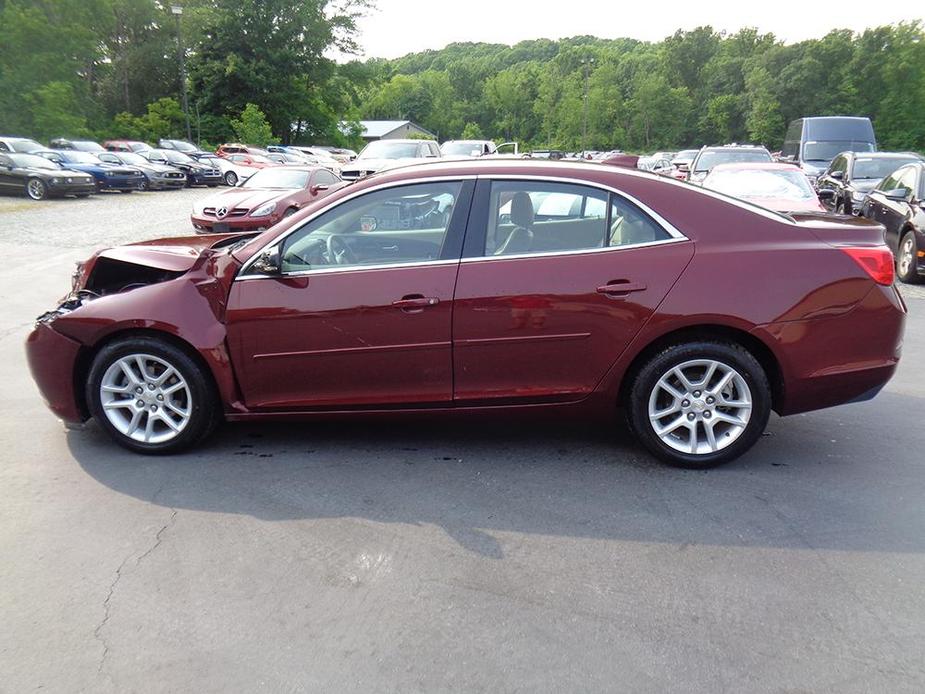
<point>263,199</point>
<point>237,148</point>
<point>778,187</point>
<point>484,286</point>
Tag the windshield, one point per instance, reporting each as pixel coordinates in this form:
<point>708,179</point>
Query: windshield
<point>76,157</point>
<point>31,161</point>
<point>707,160</point>
<point>87,146</point>
<point>177,157</point>
<point>183,146</point>
<point>383,149</point>
<point>278,177</point>
<point>25,145</point>
<point>761,183</point>
<point>467,149</point>
<point>827,151</point>
<point>132,158</point>
<point>875,168</point>
<point>686,155</point>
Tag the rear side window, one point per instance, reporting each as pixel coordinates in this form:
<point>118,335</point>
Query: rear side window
<point>540,217</point>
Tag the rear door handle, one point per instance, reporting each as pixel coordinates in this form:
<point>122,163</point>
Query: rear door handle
<point>617,287</point>
<point>415,301</point>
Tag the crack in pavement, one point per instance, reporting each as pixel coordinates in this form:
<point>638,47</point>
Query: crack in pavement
<point>98,631</point>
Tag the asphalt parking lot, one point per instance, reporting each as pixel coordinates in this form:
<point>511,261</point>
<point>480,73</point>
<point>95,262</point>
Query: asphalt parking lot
<point>447,557</point>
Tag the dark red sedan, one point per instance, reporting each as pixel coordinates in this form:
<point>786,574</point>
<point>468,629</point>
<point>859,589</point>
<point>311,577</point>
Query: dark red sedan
<point>263,199</point>
<point>484,286</point>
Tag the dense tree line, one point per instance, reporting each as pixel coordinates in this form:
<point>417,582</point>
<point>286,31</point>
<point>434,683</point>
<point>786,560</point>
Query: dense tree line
<point>695,87</point>
<point>109,68</point>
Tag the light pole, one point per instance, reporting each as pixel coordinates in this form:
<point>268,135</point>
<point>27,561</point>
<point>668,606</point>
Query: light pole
<point>177,12</point>
<point>588,65</point>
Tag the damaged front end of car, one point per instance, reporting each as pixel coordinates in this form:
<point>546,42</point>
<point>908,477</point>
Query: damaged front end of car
<point>176,288</point>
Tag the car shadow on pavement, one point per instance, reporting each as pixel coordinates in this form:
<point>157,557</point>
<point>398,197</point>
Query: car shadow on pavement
<point>816,481</point>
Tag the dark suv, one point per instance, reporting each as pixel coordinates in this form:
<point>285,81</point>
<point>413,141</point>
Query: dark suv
<point>852,175</point>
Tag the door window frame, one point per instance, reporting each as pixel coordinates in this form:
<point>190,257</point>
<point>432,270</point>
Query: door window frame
<point>452,244</point>
<point>474,246</point>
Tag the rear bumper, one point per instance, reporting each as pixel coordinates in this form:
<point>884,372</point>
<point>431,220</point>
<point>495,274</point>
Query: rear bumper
<point>52,358</point>
<point>833,361</point>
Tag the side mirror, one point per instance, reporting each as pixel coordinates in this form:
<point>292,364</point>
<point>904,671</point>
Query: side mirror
<point>684,168</point>
<point>897,194</point>
<point>315,189</point>
<point>826,194</point>
<point>837,175</point>
<point>268,262</point>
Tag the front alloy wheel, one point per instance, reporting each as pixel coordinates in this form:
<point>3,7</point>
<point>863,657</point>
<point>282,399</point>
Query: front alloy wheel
<point>36,189</point>
<point>231,178</point>
<point>150,396</point>
<point>699,404</point>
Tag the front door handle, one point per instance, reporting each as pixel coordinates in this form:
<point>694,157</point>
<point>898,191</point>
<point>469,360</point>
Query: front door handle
<point>617,287</point>
<point>415,301</point>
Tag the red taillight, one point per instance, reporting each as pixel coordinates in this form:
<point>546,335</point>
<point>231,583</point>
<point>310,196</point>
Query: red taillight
<point>877,262</point>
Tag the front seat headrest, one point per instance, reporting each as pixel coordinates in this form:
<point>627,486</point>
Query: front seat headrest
<point>522,210</point>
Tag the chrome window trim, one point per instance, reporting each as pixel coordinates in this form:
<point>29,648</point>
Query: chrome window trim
<point>668,227</point>
<point>580,251</point>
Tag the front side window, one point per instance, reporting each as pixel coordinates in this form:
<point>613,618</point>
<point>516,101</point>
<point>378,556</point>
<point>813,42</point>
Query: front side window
<point>406,224</point>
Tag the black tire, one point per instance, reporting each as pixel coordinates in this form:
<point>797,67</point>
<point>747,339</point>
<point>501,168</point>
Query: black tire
<point>212,185</point>
<point>231,178</point>
<point>728,354</point>
<point>204,409</point>
<point>83,195</point>
<point>127,191</point>
<point>911,274</point>
<point>36,189</point>
<point>144,185</point>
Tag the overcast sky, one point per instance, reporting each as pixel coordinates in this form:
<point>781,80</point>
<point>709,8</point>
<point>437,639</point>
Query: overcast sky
<point>398,27</point>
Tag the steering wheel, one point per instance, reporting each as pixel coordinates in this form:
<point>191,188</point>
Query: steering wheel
<point>339,253</point>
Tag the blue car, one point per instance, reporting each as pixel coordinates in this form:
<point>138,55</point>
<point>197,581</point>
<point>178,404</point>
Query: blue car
<point>107,176</point>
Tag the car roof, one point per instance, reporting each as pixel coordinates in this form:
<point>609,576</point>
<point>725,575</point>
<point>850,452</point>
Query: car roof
<point>764,165</point>
<point>731,148</point>
<point>885,155</point>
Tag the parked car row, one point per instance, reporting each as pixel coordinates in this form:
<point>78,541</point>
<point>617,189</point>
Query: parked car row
<point>130,165</point>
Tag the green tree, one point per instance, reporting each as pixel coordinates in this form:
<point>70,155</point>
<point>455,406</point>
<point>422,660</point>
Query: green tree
<point>56,112</point>
<point>253,128</point>
<point>472,131</point>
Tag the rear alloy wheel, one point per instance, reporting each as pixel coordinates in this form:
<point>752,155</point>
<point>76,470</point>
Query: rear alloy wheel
<point>36,189</point>
<point>150,396</point>
<point>231,178</point>
<point>906,261</point>
<point>701,404</point>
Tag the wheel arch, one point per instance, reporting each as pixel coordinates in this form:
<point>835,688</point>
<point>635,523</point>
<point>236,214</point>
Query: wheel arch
<point>87,354</point>
<point>710,332</point>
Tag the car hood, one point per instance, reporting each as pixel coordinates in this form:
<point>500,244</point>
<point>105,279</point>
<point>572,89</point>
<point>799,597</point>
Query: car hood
<point>865,185</point>
<point>177,254</point>
<point>243,197</point>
